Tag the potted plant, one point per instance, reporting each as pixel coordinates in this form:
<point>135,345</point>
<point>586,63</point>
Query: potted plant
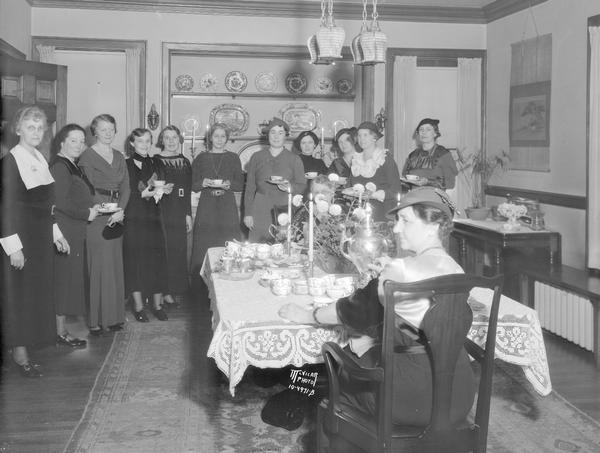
<point>478,169</point>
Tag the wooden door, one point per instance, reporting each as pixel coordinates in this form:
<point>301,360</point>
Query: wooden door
<point>27,83</point>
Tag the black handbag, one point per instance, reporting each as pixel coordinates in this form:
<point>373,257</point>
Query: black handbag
<point>113,232</point>
<point>284,410</point>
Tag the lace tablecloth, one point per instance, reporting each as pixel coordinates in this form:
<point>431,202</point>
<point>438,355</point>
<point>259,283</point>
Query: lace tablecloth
<point>248,330</point>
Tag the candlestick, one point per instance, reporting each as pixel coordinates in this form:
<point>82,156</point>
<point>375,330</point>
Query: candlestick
<point>206,136</point>
<point>193,137</point>
<point>289,228</point>
<point>322,142</point>
<point>398,199</point>
<point>311,227</point>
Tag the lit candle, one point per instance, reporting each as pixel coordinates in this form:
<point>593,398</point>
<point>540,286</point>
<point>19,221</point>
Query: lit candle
<point>398,199</point>
<point>193,138</point>
<point>289,228</point>
<point>311,227</point>
<point>206,136</point>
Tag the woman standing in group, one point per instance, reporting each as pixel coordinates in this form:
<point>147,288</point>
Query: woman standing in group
<point>375,165</point>
<point>26,235</point>
<point>305,144</point>
<point>74,209</point>
<point>431,161</point>
<point>217,219</point>
<point>176,210</point>
<point>261,196</point>
<point>144,244</point>
<point>106,169</point>
<point>345,143</point>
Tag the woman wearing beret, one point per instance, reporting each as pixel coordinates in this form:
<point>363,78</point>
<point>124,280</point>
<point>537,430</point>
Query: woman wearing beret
<point>375,165</point>
<point>305,145</point>
<point>261,197</point>
<point>431,161</point>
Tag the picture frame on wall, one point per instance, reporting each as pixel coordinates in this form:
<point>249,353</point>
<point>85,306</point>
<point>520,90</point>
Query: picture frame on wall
<point>12,87</point>
<point>45,91</point>
<point>529,115</point>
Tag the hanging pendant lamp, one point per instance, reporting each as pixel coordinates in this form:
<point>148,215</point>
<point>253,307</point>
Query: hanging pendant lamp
<point>370,45</point>
<point>325,47</point>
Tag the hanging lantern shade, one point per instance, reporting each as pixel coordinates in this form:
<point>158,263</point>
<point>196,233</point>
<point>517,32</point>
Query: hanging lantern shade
<point>325,47</point>
<point>369,47</point>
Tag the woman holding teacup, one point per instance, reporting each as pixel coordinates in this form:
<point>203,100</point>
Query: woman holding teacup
<point>176,209</point>
<point>74,209</point>
<point>144,242</point>
<point>106,169</point>
<point>216,174</point>
<point>272,174</point>
<point>305,145</point>
<point>27,231</point>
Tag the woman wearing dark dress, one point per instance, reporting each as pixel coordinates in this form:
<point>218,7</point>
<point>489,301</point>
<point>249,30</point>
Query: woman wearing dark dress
<point>217,219</point>
<point>176,210</point>
<point>431,161</point>
<point>106,169</point>
<point>305,145</point>
<point>262,197</point>
<point>345,144</point>
<point>423,222</point>
<point>26,235</point>
<point>375,165</point>
<point>74,209</point>
<point>144,254</point>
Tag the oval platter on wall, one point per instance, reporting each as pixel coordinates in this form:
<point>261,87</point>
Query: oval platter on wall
<point>234,116</point>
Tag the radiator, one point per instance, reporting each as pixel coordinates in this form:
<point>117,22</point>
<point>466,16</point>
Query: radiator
<point>565,314</point>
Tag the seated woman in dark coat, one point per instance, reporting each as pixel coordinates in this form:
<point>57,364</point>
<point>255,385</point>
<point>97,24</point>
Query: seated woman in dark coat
<point>423,221</point>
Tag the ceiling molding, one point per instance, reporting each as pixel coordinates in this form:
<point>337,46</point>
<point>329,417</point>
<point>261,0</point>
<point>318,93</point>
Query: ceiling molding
<point>305,9</point>
<point>502,8</point>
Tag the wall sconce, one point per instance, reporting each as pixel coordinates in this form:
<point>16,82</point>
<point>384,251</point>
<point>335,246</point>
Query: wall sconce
<point>153,118</point>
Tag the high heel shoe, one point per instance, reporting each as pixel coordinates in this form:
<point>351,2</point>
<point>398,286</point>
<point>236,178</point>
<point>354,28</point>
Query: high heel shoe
<point>30,370</point>
<point>96,331</point>
<point>68,340</point>
<point>160,314</point>
<point>140,316</point>
<point>116,327</point>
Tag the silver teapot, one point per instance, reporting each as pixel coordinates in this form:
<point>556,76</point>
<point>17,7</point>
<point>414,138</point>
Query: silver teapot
<point>365,244</point>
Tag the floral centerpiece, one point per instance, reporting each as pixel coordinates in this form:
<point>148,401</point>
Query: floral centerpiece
<point>337,216</point>
<point>512,212</point>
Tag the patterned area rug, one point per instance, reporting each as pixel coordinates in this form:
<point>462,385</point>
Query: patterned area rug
<point>151,396</point>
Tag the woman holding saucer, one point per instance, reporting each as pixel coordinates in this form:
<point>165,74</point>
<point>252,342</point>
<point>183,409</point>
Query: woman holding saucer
<point>375,165</point>
<point>305,145</point>
<point>346,145</point>
<point>261,196</point>
<point>216,174</point>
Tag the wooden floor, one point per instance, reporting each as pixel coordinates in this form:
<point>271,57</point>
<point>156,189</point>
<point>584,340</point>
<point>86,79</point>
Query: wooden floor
<point>39,415</point>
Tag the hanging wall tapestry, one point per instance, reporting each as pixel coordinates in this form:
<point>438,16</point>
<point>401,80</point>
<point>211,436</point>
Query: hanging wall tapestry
<point>529,108</point>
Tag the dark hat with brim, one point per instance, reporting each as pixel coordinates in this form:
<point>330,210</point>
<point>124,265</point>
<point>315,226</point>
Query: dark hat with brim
<point>430,121</point>
<point>371,127</point>
<point>426,195</point>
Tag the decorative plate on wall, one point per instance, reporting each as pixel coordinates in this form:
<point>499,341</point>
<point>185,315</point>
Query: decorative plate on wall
<point>207,82</point>
<point>266,82</point>
<point>300,117</point>
<point>184,82</point>
<point>234,116</point>
<point>296,83</point>
<point>323,85</point>
<point>344,86</point>
<point>236,81</point>
<point>246,151</point>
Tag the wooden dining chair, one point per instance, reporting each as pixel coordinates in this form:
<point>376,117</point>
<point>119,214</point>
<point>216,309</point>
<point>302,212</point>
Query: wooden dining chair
<point>442,336</point>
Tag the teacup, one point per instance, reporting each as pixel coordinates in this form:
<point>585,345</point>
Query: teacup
<point>316,290</point>
<point>311,174</point>
<point>300,287</point>
<point>316,282</point>
<point>217,182</point>
<point>263,251</point>
<point>109,206</point>
<point>227,262</point>
<point>276,250</point>
<point>345,281</point>
<point>335,292</point>
<point>281,287</point>
<point>328,280</point>
<point>276,178</point>
<point>159,183</point>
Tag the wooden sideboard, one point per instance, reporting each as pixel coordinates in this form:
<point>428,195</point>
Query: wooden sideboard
<point>485,248</point>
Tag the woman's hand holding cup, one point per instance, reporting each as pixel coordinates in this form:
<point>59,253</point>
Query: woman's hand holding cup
<point>93,212</point>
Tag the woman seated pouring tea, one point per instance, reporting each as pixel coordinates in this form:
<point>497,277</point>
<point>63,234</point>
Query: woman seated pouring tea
<point>423,221</point>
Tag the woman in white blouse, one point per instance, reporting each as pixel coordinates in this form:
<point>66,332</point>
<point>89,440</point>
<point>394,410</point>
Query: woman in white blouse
<point>27,233</point>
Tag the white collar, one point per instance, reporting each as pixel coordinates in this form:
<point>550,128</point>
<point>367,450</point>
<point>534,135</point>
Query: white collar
<point>367,168</point>
<point>33,167</point>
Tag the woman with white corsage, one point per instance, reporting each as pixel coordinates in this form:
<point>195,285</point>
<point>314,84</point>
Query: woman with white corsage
<point>375,165</point>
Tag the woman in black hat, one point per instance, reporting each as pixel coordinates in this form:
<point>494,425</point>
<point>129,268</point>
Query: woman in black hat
<point>263,194</point>
<point>432,162</point>
<point>305,145</point>
<point>375,165</point>
<point>423,223</point>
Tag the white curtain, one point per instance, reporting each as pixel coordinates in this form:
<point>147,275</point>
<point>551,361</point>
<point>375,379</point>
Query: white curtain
<point>468,135</point>
<point>594,153</point>
<point>132,63</point>
<point>405,75</point>
<point>47,53</point>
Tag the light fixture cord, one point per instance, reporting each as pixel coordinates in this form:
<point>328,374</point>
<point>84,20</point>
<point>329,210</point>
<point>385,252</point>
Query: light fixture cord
<point>374,15</point>
<point>323,22</point>
<point>363,28</point>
